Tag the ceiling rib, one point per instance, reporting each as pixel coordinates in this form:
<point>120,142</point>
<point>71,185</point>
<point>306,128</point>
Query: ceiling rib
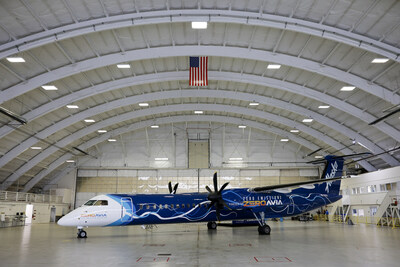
<point>217,16</point>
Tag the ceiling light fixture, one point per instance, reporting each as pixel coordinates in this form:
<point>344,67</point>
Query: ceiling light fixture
<point>273,66</point>
<point>161,159</point>
<point>123,66</point>
<point>155,126</point>
<point>242,126</point>
<point>72,106</point>
<point>284,140</point>
<point>143,104</point>
<point>294,131</point>
<point>15,59</point>
<point>49,87</point>
<point>235,159</point>
<point>347,88</point>
<point>36,147</point>
<point>324,106</point>
<point>89,120</point>
<point>318,157</point>
<point>199,24</point>
<point>380,60</point>
<point>198,112</point>
<point>112,140</point>
<point>254,104</point>
<point>102,131</point>
<point>70,161</point>
<point>307,120</point>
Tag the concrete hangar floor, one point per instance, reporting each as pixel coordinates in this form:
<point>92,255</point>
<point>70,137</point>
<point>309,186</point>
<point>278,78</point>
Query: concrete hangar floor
<point>291,243</point>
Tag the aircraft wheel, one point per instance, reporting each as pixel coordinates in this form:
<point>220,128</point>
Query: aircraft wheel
<point>264,230</point>
<point>212,225</point>
<point>82,234</point>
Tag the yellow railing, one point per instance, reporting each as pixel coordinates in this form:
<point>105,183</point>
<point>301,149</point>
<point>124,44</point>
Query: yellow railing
<point>389,221</point>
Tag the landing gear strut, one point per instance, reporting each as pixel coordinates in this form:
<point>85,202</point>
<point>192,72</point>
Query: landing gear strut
<point>81,233</point>
<point>212,225</point>
<point>264,228</point>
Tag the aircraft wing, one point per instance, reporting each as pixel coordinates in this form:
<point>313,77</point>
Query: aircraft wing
<point>281,186</point>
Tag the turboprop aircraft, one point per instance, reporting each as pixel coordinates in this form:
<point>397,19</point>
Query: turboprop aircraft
<point>216,205</point>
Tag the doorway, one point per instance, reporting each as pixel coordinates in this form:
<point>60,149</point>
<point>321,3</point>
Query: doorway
<point>53,214</point>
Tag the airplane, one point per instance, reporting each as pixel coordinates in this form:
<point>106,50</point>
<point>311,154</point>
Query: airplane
<point>220,204</point>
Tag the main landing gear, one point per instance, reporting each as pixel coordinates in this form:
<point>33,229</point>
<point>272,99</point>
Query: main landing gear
<point>212,225</point>
<point>264,228</point>
<point>81,233</point>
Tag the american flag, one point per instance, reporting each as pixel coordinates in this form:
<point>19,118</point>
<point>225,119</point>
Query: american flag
<point>198,74</point>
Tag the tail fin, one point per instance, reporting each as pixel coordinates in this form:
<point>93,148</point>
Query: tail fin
<point>333,167</point>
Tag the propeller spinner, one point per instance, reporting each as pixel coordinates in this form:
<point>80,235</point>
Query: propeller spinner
<point>216,196</point>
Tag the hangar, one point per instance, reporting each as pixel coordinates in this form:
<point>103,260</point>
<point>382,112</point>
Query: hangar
<point>102,97</point>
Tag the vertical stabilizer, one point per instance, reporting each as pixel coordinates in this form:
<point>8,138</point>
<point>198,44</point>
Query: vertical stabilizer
<point>333,167</point>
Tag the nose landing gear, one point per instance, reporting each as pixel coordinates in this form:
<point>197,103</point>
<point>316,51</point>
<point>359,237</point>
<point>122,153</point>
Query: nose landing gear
<point>81,233</point>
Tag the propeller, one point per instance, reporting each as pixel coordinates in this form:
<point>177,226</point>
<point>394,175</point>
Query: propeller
<point>216,196</point>
<point>172,191</point>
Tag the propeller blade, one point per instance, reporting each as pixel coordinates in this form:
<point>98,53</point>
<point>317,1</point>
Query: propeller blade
<point>176,187</point>
<point>217,212</point>
<point>223,187</point>
<point>170,187</point>
<point>208,189</point>
<point>215,182</point>
<point>226,205</point>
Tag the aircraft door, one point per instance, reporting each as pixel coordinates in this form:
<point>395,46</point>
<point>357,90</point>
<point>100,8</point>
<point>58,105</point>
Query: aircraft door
<point>126,209</point>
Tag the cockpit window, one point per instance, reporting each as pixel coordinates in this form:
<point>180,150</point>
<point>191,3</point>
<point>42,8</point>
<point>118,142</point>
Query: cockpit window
<point>90,203</point>
<point>101,203</point>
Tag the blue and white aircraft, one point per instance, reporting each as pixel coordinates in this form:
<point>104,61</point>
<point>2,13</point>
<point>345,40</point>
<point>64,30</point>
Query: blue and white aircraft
<point>216,205</point>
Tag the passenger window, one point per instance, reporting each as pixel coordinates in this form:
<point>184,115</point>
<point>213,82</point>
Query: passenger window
<point>160,206</point>
<point>141,206</point>
<point>172,206</point>
<point>147,207</point>
<point>194,205</point>
<point>177,206</point>
<point>166,206</point>
<point>155,206</point>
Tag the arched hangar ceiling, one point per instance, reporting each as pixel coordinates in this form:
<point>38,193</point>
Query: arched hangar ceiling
<point>75,46</point>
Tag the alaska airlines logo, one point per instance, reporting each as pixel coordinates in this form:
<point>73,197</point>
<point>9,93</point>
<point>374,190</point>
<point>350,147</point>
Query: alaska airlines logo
<point>262,203</point>
<point>94,215</point>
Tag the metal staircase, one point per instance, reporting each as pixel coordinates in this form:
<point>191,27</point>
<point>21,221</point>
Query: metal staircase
<point>388,212</point>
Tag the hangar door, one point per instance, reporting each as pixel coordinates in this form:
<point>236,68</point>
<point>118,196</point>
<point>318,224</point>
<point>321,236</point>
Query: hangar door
<point>199,156</point>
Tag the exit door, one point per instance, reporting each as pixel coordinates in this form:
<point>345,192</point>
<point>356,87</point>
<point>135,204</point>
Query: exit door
<point>126,209</point>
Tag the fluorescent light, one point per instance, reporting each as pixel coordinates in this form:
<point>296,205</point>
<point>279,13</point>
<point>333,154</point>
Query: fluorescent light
<point>123,66</point>
<point>235,159</point>
<point>72,106</point>
<point>273,66</point>
<point>242,126</point>
<point>102,131</point>
<point>380,60</point>
<point>155,126</point>
<point>347,88</point>
<point>324,106</point>
<point>89,120</point>
<point>307,120</point>
<point>363,146</point>
<point>294,131</point>
<point>254,104</point>
<point>36,147</point>
<point>15,59</point>
<point>70,160</point>
<point>112,140</point>
<point>143,104</point>
<point>49,87</point>
<point>161,159</point>
<point>284,140</point>
<point>198,112</point>
<point>199,25</point>
<point>318,157</point>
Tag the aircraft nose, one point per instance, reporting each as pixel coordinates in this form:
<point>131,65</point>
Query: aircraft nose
<point>67,220</point>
